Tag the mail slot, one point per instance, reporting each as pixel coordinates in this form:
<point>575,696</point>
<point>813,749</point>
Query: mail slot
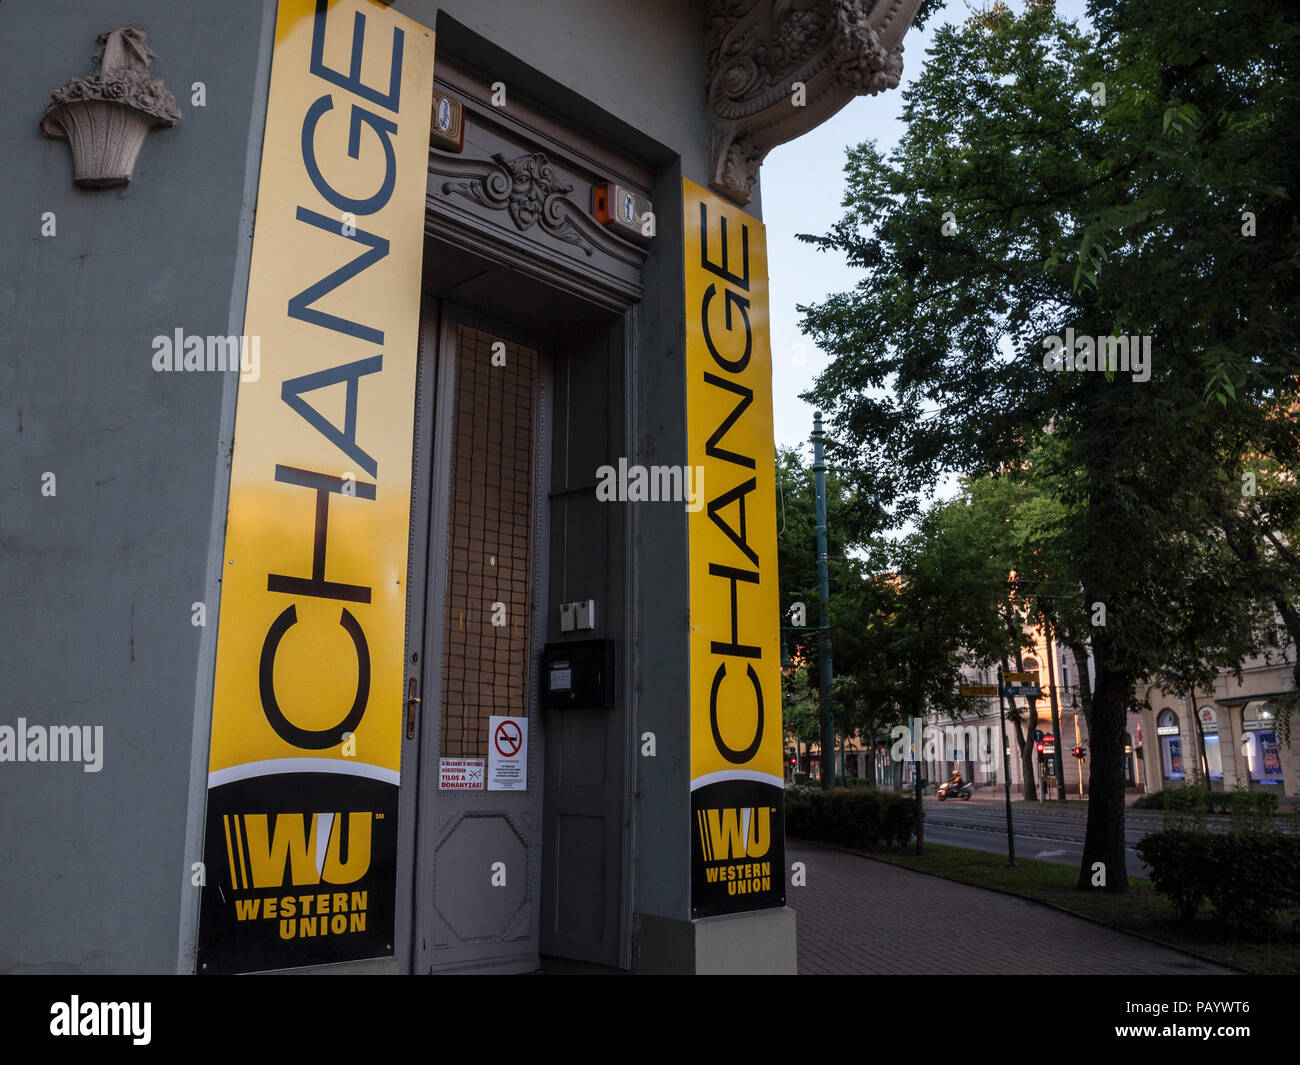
<point>578,675</point>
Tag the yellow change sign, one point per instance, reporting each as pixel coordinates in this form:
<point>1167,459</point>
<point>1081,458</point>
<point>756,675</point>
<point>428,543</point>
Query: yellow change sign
<point>737,786</point>
<point>306,726</point>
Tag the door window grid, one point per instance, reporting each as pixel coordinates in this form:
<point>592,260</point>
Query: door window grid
<point>489,538</point>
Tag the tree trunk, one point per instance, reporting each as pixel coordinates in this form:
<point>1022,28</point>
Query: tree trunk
<point>1103,847</point>
<point>1028,785</point>
<point>1204,758</point>
<point>1029,779</point>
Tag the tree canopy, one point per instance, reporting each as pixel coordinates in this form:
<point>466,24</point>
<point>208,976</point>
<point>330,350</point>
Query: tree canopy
<point>1058,189</point>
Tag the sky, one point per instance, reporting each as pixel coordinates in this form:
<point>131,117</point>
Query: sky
<point>802,188</point>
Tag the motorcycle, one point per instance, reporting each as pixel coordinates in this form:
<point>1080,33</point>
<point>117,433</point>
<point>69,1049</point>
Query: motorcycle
<point>961,791</point>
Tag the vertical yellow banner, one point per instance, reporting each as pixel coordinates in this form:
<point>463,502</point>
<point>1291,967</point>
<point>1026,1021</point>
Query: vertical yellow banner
<point>307,715</point>
<point>737,784</point>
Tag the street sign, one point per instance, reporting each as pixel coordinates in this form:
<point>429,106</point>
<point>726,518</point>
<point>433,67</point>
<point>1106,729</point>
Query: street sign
<point>979,689</point>
<point>1026,688</point>
<point>1038,735</point>
<point>1030,677</point>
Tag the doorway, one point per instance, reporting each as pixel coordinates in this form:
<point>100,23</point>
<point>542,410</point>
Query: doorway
<point>512,421</point>
<point>474,630</point>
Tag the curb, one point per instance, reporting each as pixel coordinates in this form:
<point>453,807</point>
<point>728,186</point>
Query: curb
<point>1030,898</point>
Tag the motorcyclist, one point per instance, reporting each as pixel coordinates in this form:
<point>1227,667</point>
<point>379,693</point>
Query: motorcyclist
<point>954,782</point>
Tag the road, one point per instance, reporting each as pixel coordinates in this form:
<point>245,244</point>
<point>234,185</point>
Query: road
<point>1042,834</point>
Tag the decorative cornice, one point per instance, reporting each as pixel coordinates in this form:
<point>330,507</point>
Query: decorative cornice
<point>759,49</point>
<point>530,190</point>
<point>106,114</point>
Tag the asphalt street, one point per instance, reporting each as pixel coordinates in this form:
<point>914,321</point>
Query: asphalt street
<point>1045,835</point>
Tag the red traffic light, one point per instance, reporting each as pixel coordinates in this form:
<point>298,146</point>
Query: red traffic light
<point>1078,752</point>
<point>1040,748</point>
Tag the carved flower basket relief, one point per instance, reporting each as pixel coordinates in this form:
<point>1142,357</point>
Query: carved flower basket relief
<point>105,115</point>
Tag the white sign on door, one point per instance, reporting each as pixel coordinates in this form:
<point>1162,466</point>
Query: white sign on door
<point>460,774</point>
<point>508,754</point>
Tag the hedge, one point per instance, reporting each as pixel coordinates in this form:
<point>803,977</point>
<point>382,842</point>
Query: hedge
<point>1247,876</point>
<point>1199,801</point>
<point>851,817</point>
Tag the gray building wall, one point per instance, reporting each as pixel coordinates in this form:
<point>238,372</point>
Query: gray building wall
<point>97,581</point>
<point>642,64</point>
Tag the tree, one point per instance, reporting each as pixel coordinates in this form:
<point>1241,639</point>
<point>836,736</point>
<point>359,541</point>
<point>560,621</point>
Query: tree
<point>1096,186</point>
<point>801,603</point>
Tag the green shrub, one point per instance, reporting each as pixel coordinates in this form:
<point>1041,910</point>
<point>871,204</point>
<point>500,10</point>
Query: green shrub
<point>900,819</point>
<point>1249,804</point>
<point>1194,802</point>
<point>1177,858</point>
<point>850,817</point>
<point>1247,876</point>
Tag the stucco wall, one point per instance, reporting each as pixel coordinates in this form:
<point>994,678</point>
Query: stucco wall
<point>97,580</point>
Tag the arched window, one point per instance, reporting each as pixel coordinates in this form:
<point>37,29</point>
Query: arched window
<point>1171,744</point>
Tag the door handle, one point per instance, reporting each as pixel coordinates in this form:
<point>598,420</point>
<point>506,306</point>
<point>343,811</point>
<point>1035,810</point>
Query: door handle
<point>412,701</point>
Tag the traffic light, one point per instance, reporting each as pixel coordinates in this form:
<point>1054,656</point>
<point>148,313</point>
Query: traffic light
<point>1078,753</point>
<point>1040,748</point>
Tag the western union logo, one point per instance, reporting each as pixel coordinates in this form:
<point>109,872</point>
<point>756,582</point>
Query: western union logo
<point>311,848</point>
<point>734,832</point>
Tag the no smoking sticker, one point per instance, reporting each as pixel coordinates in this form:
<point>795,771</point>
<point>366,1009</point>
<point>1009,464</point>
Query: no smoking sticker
<point>508,754</point>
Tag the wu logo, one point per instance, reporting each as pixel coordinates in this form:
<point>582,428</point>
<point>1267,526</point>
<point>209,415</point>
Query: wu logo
<point>312,848</point>
<point>732,832</point>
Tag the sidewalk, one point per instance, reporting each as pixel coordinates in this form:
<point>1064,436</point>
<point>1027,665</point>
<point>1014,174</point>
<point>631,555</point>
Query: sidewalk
<point>861,916</point>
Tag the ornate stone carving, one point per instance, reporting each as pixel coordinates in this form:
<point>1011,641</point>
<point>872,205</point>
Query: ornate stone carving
<point>105,115</point>
<point>759,49</point>
<point>530,190</point>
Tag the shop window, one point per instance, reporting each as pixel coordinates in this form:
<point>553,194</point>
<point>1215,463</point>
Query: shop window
<point>1171,745</point>
<point>1259,741</point>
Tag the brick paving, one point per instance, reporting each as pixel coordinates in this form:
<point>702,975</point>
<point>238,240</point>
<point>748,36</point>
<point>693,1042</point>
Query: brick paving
<point>861,916</point>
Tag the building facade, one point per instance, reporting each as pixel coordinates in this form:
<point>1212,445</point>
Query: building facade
<point>1237,744</point>
<point>359,363</point>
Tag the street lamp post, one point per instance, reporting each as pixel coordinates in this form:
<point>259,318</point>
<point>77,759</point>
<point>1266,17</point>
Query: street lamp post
<point>824,590</point>
<point>1006,772</point>
<point>1056,713</point>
